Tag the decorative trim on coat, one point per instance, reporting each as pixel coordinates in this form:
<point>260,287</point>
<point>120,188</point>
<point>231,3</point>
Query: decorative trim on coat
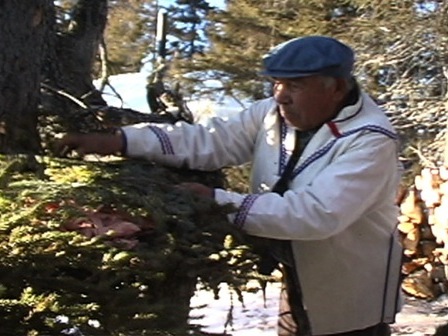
<point>282,159</point>
<point>324,150</point>
<point>249,200</point>
<point>243,211</point>
<point>167,147</point>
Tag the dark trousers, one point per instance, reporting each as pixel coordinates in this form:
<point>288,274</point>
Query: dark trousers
<point>287,326</point>
<point>381,329</point>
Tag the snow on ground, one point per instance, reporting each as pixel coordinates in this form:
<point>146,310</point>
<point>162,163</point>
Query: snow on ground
<point>256,318</point>
<point>419,317</point>
<point>132,90</point>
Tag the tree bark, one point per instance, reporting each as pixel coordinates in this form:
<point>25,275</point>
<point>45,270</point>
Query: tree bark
<point>76,50</point>
<point>23,28</point>
<point>68,91</point>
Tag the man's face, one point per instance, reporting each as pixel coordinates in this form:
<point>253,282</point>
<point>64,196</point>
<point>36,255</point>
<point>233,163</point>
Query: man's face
<point>308,102</point>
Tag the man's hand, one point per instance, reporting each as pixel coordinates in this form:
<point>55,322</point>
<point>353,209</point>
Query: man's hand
<point>92,143</point>
<point>198,189</point>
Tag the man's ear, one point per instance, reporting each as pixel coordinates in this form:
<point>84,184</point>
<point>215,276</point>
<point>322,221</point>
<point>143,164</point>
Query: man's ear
<point>340,88</point>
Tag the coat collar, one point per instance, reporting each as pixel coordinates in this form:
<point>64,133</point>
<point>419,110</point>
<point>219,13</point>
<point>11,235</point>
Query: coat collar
<point>352,106</point>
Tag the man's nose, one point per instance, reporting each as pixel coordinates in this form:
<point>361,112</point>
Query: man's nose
<point>279,86</point>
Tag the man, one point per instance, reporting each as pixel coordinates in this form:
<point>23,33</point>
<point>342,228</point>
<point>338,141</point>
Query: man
<point>324,176</point>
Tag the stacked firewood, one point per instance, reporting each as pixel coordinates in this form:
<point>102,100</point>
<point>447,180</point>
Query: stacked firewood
<point>423,225</point>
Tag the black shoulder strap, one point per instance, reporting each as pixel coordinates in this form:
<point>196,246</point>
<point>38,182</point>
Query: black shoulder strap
<point>293,287</point>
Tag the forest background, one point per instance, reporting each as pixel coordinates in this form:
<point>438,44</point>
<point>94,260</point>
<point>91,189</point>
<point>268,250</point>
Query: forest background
<point>51,51</point>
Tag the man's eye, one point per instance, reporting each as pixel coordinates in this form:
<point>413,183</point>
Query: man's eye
<point>295,86</point>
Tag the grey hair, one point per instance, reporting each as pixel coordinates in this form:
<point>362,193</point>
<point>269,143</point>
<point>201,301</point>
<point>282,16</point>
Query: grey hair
<point>349,82</point>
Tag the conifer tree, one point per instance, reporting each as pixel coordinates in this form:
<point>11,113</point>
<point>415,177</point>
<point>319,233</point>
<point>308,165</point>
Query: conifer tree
<point>245,30</point>
<point>187,26</point>
<point>129,35</point>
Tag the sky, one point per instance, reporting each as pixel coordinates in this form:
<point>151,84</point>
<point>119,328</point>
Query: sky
<point>216,3</point>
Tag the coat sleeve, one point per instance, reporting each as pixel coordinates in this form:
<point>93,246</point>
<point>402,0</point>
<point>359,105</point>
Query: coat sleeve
<point>222,142</point>
<point>357,181</point>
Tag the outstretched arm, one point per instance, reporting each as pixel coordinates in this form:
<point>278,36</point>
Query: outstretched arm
<point>92,143</point>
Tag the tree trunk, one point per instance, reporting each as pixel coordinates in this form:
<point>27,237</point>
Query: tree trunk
<point>69,92</point>
<point>23,28</point>
<point>76,50</point>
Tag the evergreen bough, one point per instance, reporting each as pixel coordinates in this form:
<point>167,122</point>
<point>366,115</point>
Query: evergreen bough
<point>53,279</point>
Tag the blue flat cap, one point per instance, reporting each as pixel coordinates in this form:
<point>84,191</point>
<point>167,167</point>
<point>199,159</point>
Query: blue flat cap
<point>307,56</point>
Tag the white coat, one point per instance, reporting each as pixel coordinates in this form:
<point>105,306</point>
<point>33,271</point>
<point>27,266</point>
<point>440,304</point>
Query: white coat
<point>339,212</point>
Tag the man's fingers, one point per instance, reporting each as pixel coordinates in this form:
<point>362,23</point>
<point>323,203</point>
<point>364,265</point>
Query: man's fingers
<point>68,143</point>
<point>197,188</point>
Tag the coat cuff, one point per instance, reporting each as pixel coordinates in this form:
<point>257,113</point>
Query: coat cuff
<point>243,203</point>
